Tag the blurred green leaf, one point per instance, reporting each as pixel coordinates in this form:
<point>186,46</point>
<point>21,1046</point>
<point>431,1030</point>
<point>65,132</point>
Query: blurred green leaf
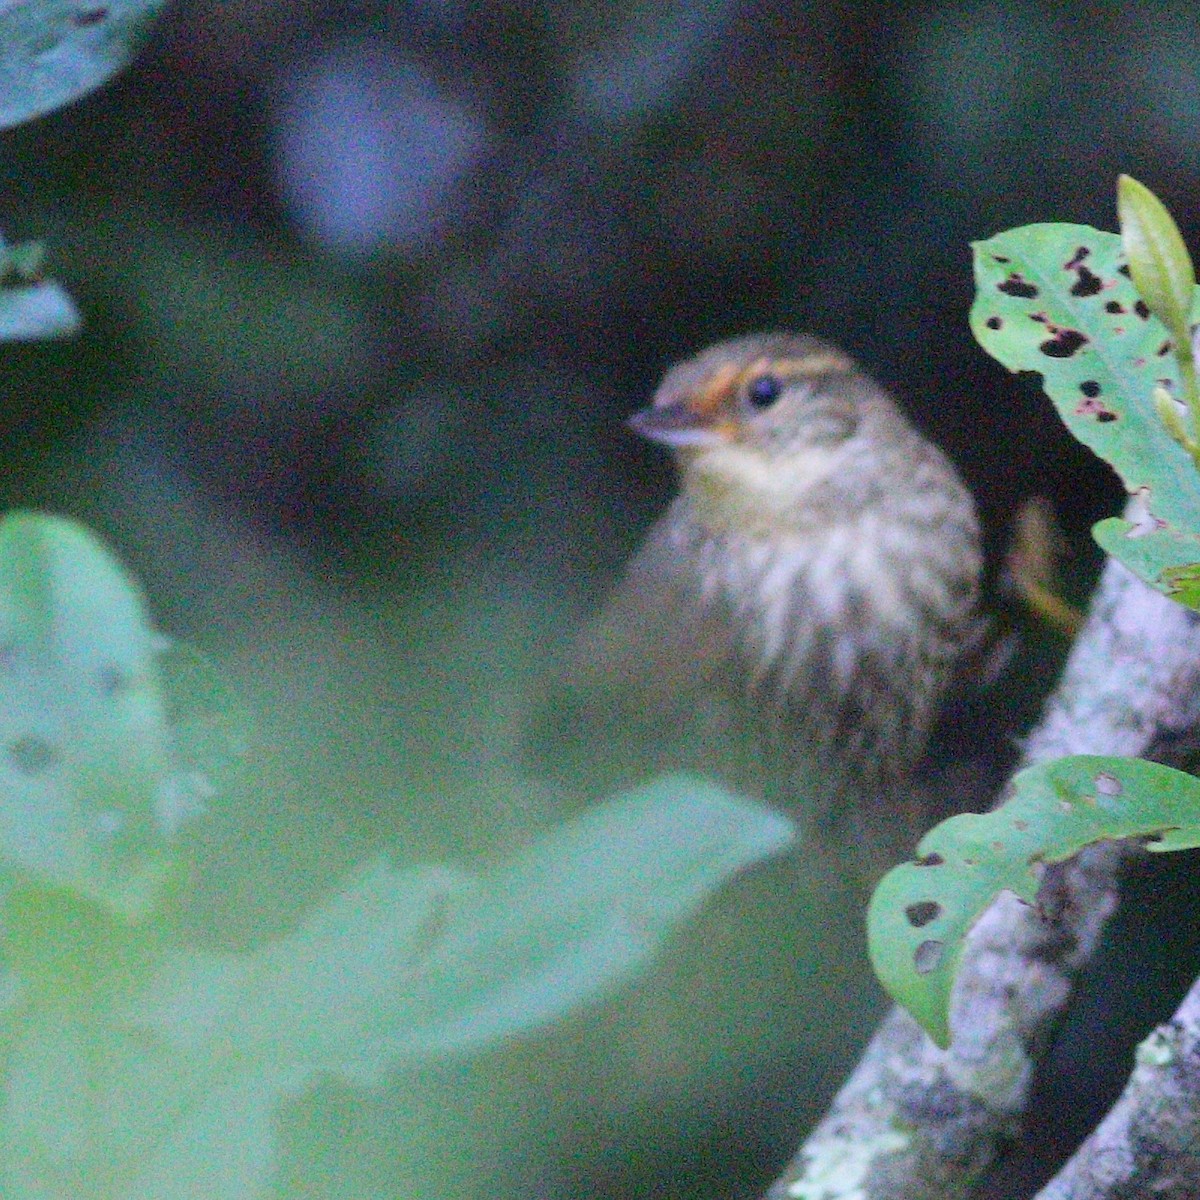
<point>82,721</point>
<point>32,307</point>
<point>54,51</point>
<point>30,312</point>
<point>1057,299</point>
<point>162,1080</point>
<point>1159,261</point>
<point>922,911</point>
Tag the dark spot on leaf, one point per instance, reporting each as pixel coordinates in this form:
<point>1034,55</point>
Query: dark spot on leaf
<point>930,860</point>
<point>90,16</point>
<point>1001,259</point>
<point>1040,318</point>
<point>927,957</point>
<point>1017,285</point>
<point>1114,307</point>
<point>31,755</point>
<point>1164,349</point>
<point>1142,309</point>
<point>1020,826</point>
<point>1063,344</point>
<point>1081,252</point>
<point>8,658</point>
<point>1108,784</point>
<point>923,912</point>
<point>111,679</point>
<point>1089,387</point>
<point>993,322</point>
<point>970,862</point>
<point>1088,283</point>
<point>1123,269</point>
<point>1094,408</point>
<point>998,847</point>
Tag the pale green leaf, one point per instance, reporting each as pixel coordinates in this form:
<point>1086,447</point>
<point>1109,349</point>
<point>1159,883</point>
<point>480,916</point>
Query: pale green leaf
<point>161,1076</point>
<point>1158,259</point>
<point>54,51</point>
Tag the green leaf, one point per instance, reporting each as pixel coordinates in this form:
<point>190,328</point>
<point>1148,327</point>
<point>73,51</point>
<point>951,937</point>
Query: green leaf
<point>32,307</point>
<point>37,311</point>
<point>921,911</point>
<point>54,51</point>
<point>428,960</point>
<point>83,727</point>
<point>1055,299</point>
<point>1158,259</point>
<point>162,1080</point>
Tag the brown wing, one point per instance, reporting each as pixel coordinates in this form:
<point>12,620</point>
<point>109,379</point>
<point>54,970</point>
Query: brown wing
<point>644,685</point>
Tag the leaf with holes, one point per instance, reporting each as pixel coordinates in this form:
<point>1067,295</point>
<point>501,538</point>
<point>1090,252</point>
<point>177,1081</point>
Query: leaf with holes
<point>922,911</point>
<point>1058,300</point>
<point>54,51</point>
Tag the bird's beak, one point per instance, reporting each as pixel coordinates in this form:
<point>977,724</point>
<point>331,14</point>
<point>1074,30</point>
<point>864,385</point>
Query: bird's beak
<point>679,426</point>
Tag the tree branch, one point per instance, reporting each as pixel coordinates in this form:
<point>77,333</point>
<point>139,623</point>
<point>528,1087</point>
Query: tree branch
<point>914,1122</point>
<point>1149,1144</point>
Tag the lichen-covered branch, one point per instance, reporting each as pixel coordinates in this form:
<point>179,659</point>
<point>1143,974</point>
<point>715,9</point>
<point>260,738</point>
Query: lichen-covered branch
<point>914,1122</point>
<point>1149,1144</point>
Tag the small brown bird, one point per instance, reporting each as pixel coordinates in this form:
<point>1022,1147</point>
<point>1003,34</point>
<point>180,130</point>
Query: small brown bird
<point>816,580</point>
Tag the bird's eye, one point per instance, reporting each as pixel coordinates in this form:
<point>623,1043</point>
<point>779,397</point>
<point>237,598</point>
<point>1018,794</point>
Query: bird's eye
<point>763,391</point>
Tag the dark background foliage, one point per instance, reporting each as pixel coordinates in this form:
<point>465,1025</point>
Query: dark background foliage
<point>369,289</point>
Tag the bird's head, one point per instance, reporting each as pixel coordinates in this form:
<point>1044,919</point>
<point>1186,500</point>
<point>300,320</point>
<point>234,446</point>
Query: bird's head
<point>756,423</point>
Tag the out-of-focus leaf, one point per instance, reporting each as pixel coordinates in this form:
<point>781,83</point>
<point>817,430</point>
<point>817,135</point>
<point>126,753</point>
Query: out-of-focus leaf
<point>921,911</point>
<point>162,1080</point>
<point>54,51</point>
<point>429,961</point>
<point>32,307</point>
<point>1058,300</point>
<point>31,312</point>
<point>82,724</point>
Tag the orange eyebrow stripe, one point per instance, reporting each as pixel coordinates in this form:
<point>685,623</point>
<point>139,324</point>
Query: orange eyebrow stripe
<point>716,391</point>
<point>820,363</point>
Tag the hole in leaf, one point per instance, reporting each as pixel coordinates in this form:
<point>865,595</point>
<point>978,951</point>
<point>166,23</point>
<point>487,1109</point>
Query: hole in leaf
<point>1017,285</point>
<point>1001,259</point>
<point>1108,785</point>
<point>1088,283</point>
<point>1114,307</point>
<point>112,679</point>
<point>927,957</point>
<point>1142,309</point>
<point>31,755</point>
<point>994,323</point>
<point>1063,344</point>
<point>1090,388</point>
<point>923,912</point>
<point>1123,269</point>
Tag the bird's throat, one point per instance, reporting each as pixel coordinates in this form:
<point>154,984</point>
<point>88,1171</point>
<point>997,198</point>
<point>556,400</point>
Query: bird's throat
<point>734,490</point>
